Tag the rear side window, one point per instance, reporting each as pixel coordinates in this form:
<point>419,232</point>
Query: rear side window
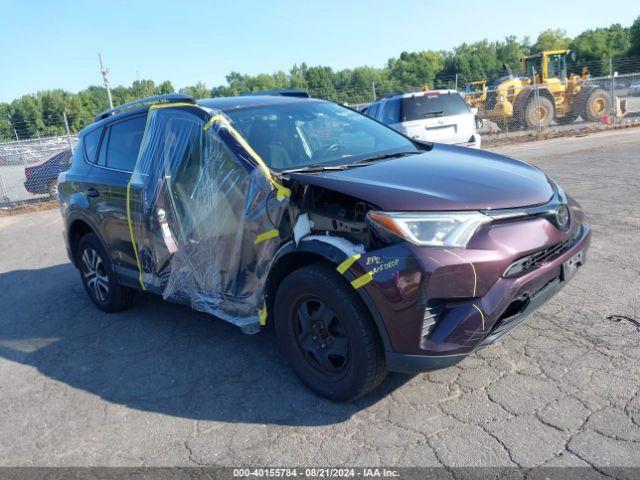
<point>391,112</point>
<point>430,105</point>
<point>91,141</point>
<point>372,111</point>
<point>124,142</point>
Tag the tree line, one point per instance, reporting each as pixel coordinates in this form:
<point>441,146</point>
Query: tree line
<point>41,114</point>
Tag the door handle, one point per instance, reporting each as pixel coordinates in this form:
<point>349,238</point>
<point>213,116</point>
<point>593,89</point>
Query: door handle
<point>91,192</point>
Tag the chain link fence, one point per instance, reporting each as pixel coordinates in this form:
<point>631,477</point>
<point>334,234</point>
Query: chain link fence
<point>566,97</point>
<point>29,169</point>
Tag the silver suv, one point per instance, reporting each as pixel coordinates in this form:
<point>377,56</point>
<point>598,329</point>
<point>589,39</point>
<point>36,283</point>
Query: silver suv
<point>430,116</point>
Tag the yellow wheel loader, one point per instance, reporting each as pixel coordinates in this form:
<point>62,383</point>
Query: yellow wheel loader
<point>511,101</point>
<point>476,95</point>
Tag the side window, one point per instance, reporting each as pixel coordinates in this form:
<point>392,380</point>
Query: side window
<point>91,141</point>
<point>391,113</point>
<point>102,155</point>
<point>124,142</point>
<point>373,110</point>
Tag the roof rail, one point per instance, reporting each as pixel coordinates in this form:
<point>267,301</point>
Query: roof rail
<point>168,98</point>
<point>283,92</point>
<point>393,94</point>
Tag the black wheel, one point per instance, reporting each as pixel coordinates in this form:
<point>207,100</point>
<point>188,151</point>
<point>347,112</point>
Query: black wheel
<point>327,335</point>
<point>98,277</point>
<point>52,190</point>
<point>595,104</point>
<point>538,114</point>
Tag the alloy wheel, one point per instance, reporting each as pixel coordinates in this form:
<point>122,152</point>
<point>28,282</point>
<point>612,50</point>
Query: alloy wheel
<point>95,274</point>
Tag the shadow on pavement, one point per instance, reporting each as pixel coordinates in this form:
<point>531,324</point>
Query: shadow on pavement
<point>157,356</point>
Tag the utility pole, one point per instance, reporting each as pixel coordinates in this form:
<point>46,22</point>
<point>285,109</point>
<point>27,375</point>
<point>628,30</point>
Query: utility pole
<point>373,87</point>
<point>613,98</point>
<point>456,81</point>
<point>104,71</point>
<point>14,130</point>
<point>66,124</point>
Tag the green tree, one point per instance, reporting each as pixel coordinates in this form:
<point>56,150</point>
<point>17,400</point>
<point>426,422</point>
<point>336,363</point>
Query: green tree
<point>199,90</point>
<point>415,69</point>
<point>634,37</point>
<point>551,39</point>
<point>602,43</point>
<point>320,82</point>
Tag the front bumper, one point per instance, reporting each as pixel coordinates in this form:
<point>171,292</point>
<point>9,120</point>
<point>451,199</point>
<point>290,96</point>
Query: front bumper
<point>398,362</point>
<point>466,291</point>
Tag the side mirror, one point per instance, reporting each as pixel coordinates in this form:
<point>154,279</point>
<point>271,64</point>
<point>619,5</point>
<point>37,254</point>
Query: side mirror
<point>474,110</point>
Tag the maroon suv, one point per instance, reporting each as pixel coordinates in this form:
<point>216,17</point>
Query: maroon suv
<point>366,250</point>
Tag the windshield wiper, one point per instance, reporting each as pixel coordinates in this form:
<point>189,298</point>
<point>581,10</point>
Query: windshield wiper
<point>317,167</point>
<point>384,156</point>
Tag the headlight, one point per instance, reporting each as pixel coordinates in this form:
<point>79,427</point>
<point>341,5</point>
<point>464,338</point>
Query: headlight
<point>436,229</point>
<point>501,98</point>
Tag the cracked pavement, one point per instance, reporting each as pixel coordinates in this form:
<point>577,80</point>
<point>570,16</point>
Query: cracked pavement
<point>161,385</point>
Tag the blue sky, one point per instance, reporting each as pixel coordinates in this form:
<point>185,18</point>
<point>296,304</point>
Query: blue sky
<point>54,44</point>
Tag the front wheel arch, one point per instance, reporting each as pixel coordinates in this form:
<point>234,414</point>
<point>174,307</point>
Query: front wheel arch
<point>290,258</point>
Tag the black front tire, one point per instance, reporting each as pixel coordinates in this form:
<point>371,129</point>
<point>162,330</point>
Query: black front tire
<point>363,368</point>
<point>98,277</point>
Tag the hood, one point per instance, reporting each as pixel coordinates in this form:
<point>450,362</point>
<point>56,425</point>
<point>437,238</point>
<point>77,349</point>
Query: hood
<point>444,178</point>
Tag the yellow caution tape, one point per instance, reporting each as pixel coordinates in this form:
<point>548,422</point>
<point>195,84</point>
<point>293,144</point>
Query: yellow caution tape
<point>481,314</point>
<point>133,241</point>
<point>344,266</point>
<point>362,281</point>
<point>263,315</point>
<point>266,236</point>
<point>157,106</point>
<point>282,191</point>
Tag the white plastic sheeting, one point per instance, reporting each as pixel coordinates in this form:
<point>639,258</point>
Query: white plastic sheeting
<point>203,213</point>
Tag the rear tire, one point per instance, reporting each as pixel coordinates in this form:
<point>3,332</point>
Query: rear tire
<point>98,277</point>
<point>327,335</point>
<point>531,112</point>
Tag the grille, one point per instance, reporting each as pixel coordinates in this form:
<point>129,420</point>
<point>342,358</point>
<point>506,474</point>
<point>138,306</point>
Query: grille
<point>534,260</point>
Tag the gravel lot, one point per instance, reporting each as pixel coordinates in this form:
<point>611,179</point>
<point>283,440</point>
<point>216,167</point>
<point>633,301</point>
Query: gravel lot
<point>162,385</point>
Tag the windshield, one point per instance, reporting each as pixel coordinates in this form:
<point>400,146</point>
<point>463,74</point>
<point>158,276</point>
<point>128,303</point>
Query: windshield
<point>299,134</point>
<point>432,104</point>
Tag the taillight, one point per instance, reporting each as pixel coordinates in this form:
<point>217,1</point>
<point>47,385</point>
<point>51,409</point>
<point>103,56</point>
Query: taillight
<point>27,172</point>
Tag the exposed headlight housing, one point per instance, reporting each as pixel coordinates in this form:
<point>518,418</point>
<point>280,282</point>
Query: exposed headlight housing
<point>434,229</point>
